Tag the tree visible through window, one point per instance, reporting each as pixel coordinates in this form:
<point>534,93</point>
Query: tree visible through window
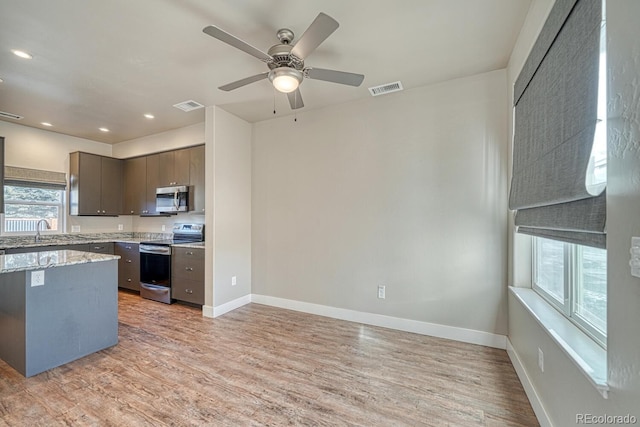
<point>25,206</point>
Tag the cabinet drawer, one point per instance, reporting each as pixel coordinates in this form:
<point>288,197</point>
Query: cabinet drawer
<point>188,290</point>
<point>128,265</point>
<point>188,253</point>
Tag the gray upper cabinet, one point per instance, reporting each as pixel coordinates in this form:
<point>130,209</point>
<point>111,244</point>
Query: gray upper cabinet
<point>173,168</point>
<point>196,178</point>
<point>134,193</point>
<point>95,185</point>
<point>102,185</point>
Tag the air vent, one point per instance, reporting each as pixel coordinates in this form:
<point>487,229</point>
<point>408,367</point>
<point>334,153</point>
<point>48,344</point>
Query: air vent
<point>385,88</point>
<point>189,105</point>
<point>10,116</point>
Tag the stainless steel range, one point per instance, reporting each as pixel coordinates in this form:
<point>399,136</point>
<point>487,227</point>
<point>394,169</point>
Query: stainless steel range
<point>155,261</point>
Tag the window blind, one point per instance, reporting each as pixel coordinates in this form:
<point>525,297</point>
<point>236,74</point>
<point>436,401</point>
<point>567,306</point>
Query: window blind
<point>555,98</point>
<point>34,178</point>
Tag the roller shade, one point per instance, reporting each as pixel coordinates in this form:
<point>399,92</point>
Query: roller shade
<point>556,99</point>
<point>34,178</point>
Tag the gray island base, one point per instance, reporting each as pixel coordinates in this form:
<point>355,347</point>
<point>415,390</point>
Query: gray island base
<point>56,307</point>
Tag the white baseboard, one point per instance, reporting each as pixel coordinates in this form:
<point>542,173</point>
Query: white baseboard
<point>407,325</point>
<point>207,311</point>
<point>534,399</point>
<point>231,305</point>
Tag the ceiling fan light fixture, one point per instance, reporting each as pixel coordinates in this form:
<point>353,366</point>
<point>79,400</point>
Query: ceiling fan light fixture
<point>285,79</point>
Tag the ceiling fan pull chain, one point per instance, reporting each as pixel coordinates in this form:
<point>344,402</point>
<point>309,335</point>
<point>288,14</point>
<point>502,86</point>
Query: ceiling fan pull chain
<point>295,112</point>
<point>274,100</point>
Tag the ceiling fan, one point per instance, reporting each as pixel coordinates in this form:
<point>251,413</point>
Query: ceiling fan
<point>286,61</point>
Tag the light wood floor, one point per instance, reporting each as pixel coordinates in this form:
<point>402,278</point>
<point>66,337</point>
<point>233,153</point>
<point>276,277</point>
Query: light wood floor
<point>260,365</point>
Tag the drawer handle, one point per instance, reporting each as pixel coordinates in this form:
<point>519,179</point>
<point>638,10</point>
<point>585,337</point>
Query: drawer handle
<point>189,253</point>
<point>128,280</point>
<point>129,261</point>
<point>127,247</point>
<point>189,291</point>
<point>189,268</point>
<point>97,248</point>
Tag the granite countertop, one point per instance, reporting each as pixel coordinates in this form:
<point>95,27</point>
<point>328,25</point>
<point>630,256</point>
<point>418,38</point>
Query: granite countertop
<point>49,259</point>
<point>11,242</point>
<point>194,245</point>
<point>75,239</point>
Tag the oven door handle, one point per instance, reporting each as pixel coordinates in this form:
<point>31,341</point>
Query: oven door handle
<point>152,249</point>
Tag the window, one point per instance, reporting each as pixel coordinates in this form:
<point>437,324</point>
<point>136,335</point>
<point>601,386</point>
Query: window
<point>573,278</point>
<point>26,205</point>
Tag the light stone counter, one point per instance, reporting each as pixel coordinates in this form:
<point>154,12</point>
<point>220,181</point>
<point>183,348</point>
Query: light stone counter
<point>194,245</point>
<point>48,259</point>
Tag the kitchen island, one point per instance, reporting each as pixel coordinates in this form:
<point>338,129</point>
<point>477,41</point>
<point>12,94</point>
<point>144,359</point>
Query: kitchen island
<point>56,307</point>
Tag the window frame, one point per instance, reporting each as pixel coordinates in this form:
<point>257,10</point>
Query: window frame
<point>61,206</point>
<point>572,281</point>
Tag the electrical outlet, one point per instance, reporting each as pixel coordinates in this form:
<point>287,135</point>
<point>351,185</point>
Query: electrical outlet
<point>164,227</point>
<point>37,278</point>
<point>120,227</point>
<point>381,291</point>
<point>75,228</point>
<point>540,360</point>
<point>233,281</point>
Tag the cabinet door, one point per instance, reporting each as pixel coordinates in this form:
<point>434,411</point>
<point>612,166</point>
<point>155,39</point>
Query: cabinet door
<point>128,265</point>
<point>154,179</point>
<point>111,194</point>
<point>181,166</point>
<point>166,173</point>
<point>187,275</point>
<point>196,178</point>
<point>134,200</point>
<point>85,192</point>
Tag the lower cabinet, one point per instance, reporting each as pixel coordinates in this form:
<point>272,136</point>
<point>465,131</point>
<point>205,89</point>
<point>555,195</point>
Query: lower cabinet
<point>99,248</point>
<point>187,275</point>
<point>128,265</point>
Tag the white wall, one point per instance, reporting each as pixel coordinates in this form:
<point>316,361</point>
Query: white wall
<point>231,195</point>
<point>562,389</point>
<point>406,190</point>
<point>169,140</point>
<point>40,149</point>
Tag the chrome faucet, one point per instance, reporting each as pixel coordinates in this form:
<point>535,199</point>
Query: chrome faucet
<point>38,236</point>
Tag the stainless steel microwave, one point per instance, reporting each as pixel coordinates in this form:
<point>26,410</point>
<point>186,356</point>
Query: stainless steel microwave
<point>172,199</point>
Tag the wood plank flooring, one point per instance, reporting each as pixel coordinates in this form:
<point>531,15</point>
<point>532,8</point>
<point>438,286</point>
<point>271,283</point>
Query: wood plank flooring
<point>260,365</point>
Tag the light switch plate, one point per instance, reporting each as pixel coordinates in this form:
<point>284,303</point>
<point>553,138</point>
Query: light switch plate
<point>37,278</point>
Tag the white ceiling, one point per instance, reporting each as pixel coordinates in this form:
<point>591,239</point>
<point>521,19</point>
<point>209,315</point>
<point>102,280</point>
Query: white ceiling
<point>104,63</point>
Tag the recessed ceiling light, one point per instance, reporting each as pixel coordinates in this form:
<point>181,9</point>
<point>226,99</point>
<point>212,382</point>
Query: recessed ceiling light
<point>150,116</point>
<point>46,124</point>
<point>21,54</point>
<point>103,129</point>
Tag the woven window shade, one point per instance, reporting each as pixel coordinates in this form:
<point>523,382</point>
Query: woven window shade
<point>34,178</point>
<point>555,100</point>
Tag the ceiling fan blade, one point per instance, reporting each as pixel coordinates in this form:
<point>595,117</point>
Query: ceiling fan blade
<point>334,76</point>
<point>318,31</point>
<point>295,99</point>
<point>223,36</point>
<point>243,82</point>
